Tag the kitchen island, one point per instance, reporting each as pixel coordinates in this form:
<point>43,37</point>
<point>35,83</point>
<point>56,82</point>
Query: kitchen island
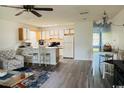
<point>51,55</point>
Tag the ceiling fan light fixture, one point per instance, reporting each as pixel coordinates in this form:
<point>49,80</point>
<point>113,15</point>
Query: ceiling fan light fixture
<point>29,8</point>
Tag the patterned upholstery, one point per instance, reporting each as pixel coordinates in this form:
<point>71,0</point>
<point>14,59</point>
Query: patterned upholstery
<point>27,52</point>
<point>8,53</point>
<point>9,60</point>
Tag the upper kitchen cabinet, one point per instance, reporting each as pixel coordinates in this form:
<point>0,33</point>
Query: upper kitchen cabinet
<point>69,32</point>
<point>23,34</point>
<point>58,34</point>
<point>26,33</point>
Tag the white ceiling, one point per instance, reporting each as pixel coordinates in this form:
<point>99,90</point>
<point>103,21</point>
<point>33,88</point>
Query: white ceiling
<point>62,14</point>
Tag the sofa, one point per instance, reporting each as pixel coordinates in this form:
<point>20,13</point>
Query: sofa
<point>9,60</point>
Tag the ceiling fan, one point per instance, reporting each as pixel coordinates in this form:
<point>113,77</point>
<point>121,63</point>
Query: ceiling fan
<point>29,8</point>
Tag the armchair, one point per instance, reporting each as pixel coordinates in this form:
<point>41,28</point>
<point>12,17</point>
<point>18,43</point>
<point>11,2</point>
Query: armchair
<point>9,60</point>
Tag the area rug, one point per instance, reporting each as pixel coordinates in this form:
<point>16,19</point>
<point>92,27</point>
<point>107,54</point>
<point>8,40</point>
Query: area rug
<point>38,79</point>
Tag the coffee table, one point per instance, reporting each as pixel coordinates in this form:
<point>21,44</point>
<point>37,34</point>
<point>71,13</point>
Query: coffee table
<point>15,79</point>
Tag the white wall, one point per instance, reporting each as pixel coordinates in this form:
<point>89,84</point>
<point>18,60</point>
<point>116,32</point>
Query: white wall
<point>118,31</point>
<point>83,41</point>
<point>8,34</point>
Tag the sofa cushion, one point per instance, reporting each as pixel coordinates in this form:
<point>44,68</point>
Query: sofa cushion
<point>8,53</point>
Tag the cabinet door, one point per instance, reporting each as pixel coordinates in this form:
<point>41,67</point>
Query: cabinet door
<point>43,35</point>
<point>55,34</point>
<point>51,34</point>
<point>47,34</point>
<point>61,34</point>
<point>22,34</point>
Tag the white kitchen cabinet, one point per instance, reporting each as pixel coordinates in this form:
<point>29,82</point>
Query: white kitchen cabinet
<point>52,34</point>
<point>43,35</point>
<point>47,34</point>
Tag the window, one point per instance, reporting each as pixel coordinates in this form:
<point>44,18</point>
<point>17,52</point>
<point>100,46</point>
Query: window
<point>97,42</point>
<point>96,39</point>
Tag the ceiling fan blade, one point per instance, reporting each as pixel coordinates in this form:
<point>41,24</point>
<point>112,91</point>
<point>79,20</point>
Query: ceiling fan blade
<point>20,13</point>
<point>36,13</point>
<point>44,9</point>
<point>11,6</point>
<point>82,13</point>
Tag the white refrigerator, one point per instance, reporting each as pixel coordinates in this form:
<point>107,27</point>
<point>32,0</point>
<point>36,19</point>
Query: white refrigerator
<point>68,50</point>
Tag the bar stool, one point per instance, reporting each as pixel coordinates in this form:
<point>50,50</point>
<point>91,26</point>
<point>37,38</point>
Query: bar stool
<point>107,68</point>
<point>35,57</point>
<point>44,56</point>
<point>47,58</point>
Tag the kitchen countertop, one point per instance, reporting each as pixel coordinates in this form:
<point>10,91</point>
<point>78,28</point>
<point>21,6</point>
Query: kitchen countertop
<point>49,47</point>
<point>54,47</point>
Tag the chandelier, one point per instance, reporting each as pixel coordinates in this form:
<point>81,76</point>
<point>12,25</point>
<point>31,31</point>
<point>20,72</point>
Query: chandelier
<point>104,22</point>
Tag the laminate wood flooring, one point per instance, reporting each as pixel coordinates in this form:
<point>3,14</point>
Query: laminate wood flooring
<point>71,74</point>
